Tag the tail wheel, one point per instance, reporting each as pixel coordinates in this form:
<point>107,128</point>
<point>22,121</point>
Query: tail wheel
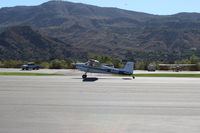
<point>84,76</point>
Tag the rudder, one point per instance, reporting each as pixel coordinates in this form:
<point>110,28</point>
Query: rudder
<point>129,67</point>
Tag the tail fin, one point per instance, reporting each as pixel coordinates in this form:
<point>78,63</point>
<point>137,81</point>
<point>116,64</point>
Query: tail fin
<point>129,67</point>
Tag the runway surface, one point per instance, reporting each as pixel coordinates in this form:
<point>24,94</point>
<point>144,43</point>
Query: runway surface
<point>105,104</point>
<point>72,72</point>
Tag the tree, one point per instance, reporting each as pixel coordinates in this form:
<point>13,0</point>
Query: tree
<point>57,64</point>
<point>194,59</point>
<point>12,64</point>
<point>45,65</point>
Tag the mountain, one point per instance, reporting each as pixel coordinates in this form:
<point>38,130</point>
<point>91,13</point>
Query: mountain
<point>24,42</point>
<point>112,31</point>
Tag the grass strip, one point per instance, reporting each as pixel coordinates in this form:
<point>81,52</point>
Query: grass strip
<point>167,75</point>
<point>27,74</point>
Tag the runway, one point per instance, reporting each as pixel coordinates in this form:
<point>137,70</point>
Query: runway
<point>108,104</point>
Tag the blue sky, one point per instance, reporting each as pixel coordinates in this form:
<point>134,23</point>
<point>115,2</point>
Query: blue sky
<point>161,7</point>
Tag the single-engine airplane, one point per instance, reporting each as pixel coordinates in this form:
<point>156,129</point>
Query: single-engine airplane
<point>94,66</point>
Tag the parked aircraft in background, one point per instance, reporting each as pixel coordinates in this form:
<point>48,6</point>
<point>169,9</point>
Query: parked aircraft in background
<point>94,66</point>
<point>176,67</point>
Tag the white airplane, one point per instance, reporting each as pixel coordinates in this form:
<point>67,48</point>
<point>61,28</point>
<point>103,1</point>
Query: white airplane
<point>94,66</point>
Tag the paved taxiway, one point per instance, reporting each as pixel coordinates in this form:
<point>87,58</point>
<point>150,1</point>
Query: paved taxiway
<point>66,104</point>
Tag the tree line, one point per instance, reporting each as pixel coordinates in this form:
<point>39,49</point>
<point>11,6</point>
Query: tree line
<point>104,59</point>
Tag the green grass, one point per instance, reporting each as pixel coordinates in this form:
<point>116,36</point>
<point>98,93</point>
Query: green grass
<point>167,75</point>
<point>27,74</point>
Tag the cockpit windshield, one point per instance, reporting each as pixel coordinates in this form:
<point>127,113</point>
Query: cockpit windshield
<point>93,63</point>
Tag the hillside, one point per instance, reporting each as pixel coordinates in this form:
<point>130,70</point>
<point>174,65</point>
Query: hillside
<point>120,33</point>
<point>24,42</point>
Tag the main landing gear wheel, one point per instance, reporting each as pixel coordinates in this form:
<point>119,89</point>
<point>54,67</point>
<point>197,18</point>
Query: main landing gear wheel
<point>133,77</point>
<point>84,76</point>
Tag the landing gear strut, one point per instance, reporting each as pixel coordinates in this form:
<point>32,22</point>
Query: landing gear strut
<point>84,76</point>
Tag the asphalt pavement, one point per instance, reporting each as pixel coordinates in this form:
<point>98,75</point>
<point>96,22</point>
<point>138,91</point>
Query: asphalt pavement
<point>100,104</point>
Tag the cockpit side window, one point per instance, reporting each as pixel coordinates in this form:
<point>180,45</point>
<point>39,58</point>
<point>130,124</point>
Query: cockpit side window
<point>96,64</point>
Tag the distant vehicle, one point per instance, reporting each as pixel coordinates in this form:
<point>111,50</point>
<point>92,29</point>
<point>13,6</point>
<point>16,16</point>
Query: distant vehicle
<point>94,66</point>
<point>30,66</point>
<point>151,68</point>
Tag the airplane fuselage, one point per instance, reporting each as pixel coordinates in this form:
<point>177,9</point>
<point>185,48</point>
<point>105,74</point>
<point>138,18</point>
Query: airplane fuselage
<point>102,69</point>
